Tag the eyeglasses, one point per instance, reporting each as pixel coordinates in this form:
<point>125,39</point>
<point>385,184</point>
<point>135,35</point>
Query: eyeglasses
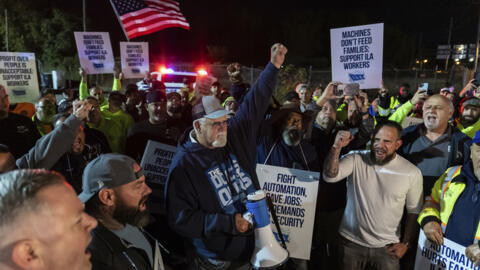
<point>219,124</point>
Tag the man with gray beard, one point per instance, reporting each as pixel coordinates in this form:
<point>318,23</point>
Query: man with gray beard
<point>211,175</point>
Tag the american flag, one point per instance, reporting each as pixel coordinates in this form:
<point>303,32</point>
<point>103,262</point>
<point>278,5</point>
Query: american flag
<point>142,17</point>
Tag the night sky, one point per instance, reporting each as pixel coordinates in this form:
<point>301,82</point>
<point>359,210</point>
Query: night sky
<point>244,30</point>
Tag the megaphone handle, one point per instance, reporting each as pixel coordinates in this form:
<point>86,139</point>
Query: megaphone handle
<point>275,221</point>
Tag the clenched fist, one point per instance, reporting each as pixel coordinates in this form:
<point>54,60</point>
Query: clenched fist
<point>277,54</point>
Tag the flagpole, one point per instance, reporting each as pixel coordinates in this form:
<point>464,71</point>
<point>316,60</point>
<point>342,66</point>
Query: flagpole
<point>84,9</point>
<point>6,28</point>
<point>118,18</point>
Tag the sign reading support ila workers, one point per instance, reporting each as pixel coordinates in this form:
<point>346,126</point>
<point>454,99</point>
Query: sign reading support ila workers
<point>294,197</point>
<point>450,255</point>
<point>18,74</point>
<point>357,55</point>
<point>95,52</point>
<point>134,57</point>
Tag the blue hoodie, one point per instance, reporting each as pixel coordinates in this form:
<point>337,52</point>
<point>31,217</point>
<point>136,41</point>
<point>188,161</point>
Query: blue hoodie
<point>206,187</point>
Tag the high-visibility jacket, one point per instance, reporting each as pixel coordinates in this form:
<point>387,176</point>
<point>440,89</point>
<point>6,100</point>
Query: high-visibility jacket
<point>444,195</point>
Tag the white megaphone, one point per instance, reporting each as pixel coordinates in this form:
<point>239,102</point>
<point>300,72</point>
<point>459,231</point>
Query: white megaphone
<point>268,253</point>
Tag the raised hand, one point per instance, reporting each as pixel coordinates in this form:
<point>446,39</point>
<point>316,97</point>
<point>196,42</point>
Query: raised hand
<point>277,54</point>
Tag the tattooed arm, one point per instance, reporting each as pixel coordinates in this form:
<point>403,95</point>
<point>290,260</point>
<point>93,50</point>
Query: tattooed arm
<point>331,165</point>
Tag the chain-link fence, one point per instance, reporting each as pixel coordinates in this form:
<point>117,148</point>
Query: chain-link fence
<point>393,78</point>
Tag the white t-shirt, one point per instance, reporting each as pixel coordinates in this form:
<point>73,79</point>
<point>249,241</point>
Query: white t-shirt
<point>376,196</point>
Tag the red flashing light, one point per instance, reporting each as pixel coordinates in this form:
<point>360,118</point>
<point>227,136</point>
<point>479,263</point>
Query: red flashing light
<point>202,72</point>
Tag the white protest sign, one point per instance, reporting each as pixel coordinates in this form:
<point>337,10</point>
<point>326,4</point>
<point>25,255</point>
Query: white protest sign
<point>294,196</point>
<point>203,85</point>
<point>95,52</point>
<point>450,255</point>
<point>134,57</point>
<point>156,161</point>
<point>357,55</point>
<point>18,74</point>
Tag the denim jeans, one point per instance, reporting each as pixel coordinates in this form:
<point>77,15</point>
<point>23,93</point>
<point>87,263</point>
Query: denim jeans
<point>357,257</point>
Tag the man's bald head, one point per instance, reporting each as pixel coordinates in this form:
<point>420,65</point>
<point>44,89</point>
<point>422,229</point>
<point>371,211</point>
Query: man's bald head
<point>437,110</point>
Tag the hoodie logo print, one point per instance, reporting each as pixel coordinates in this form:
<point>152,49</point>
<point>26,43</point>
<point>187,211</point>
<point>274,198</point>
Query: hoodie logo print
<point>241,182</point>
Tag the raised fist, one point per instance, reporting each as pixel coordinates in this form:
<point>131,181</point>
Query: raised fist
<point>234,72</point>
<point>277,54</point>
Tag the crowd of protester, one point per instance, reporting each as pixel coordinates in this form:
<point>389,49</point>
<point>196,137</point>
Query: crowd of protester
<point>73,195</point>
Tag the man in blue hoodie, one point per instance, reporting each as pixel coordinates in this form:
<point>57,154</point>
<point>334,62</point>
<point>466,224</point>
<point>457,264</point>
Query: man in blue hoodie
<point>211,175</point>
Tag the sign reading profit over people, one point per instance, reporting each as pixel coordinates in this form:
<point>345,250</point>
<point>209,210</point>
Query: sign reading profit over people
<point>450,255</point>
<point>357,55</point>
<point>294,196</point>
<point>156,161</point>
<point>134,57</point>
<point>95,52</point>
<point>18,74</point>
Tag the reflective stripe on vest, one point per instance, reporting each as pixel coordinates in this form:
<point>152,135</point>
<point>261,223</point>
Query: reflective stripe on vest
<point>446,182</point>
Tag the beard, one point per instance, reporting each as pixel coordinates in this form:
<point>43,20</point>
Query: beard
<point>292,136</point>
<point>126,214</point>
<point>220,140</point>
<point>177,109</point>
<point>384,161</point>
<point>468,121</point>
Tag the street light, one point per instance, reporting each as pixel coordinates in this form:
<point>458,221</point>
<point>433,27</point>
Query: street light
<point>425,60</point>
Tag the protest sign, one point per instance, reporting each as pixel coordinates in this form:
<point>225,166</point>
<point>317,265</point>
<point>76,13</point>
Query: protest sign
<point>156,161</point>
<point>18,74</point>
<point>294,196</point>
<point>134,57</point>
<point>203,85</point>
<point>357,55</point>
<point>450,255</point>
<point>95,52</point>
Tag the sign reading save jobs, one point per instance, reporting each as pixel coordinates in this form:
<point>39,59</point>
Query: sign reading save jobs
<point>95,52</point>
<point>134,57</point>
<point>357,55</point>
<point>294,196</point>
<point>18,74</point>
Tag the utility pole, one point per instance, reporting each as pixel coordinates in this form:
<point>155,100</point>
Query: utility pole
<point>84,16</point>
<point>449,41</point>
<point>478,42</point>
<point>6,28</point>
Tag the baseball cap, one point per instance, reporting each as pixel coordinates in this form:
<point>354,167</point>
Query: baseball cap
<point>212,107</point>
<point>155,96</point>
<point>107,171</point>
<point>473,101</point>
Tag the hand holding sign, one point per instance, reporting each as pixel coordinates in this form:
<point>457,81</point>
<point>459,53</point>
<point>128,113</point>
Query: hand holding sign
<point>473,253</point>
<point>433,232</point>
<point>203,85</point>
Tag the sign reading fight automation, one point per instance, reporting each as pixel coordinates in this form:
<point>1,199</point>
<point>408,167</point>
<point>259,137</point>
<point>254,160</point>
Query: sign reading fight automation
<point>294,196</point>
<point>357,55</point>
